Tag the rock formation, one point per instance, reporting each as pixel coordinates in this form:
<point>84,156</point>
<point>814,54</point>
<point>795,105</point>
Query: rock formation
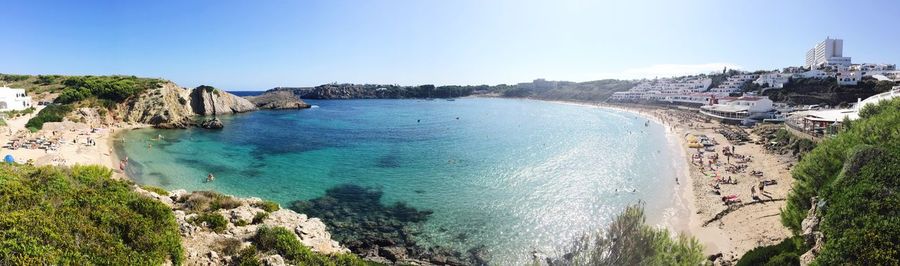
<point>164,107</point>
<point>171,106</point>
<point>206,100</point>
<point>811,232</point>
<point>278,99</point>
<point>213,123</point>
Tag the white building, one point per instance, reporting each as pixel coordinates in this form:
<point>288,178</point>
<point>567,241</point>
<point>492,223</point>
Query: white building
<point>773,80</point>
<point>650,90</point>
<point>813,74</point>
<point>732,84</point>
<point>829,52</point>
<point>13,99</point>
<point>738,109</point>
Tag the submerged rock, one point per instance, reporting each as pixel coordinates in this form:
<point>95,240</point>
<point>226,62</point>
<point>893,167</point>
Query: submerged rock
<point>377,232</point>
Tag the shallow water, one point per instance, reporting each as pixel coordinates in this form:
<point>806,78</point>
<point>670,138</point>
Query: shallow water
<point>512,175</point>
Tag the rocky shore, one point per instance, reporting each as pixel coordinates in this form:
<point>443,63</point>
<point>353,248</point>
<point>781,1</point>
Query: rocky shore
<point>208,244</point>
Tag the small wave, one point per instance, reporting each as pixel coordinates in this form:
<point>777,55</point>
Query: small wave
<point>314,106</point>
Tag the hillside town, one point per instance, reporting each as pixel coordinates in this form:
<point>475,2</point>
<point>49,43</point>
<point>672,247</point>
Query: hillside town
<point>741,97</point>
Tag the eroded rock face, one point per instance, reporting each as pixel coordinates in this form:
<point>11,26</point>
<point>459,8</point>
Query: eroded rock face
<point>206,100</point>
<point>811,232</point>
<point>278,100</point>
<point>171,106</point>
<point>164,107</point>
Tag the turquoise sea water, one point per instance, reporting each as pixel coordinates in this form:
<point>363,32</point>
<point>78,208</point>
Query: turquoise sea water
<point>513,175</point>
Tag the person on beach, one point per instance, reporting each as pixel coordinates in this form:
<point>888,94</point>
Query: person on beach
<point>210,178</point>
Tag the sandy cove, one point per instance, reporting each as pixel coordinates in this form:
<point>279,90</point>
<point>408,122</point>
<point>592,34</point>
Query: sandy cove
<point>747,225</point>
<point>734,234</point>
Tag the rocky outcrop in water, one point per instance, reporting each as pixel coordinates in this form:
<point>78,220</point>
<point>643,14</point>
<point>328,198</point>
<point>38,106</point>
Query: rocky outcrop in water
<point>206,100</point>
<point>380,233</point>
<point>171,106</point>
<point>278,99</point>
<point>213,123</point>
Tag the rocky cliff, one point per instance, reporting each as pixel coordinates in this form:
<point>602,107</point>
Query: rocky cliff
<point>166,106</point>
<point>278,99</point>
<point>172,106</point>
<point>206,100</point>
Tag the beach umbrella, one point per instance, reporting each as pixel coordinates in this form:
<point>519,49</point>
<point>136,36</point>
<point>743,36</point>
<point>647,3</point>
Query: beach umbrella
<point>9,159</point>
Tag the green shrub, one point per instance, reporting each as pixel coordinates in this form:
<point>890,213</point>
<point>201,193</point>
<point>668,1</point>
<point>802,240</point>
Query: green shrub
<point>203,201</point>
<point>856,174</point>
<point>112,88</point>
<point>51,113</point>
<point>214,221</point>
<point>81,216</point>
<point>628,240</point>
<point>155,189</point>
<point>785,253</point>
<point>228,246</point>
<point>247,257</point>
<point>260,217</point>
<point>266,205</point>
<point>282,241</point>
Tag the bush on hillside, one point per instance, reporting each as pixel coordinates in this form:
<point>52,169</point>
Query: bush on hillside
<point>113,88</point>
<point>81,216</point>
<point>204,201</point>
<point>282,241</point>
<point>856,174</point>
<point>213,221</point>
<point>862,213</point>
<point>51,113</point>
<point>268,206</point>
<point>628,240</point>
<point>785,253</point>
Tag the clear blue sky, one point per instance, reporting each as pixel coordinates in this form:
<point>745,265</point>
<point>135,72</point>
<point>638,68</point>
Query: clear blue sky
<point>254,45</point>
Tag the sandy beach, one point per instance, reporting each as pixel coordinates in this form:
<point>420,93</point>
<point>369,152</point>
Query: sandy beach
<point>73,143</point>
<point>749,223</point>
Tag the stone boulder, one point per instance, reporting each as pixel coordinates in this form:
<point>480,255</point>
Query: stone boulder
<point>278,100</point>
<point>206,100</point>
<point>213,123</point>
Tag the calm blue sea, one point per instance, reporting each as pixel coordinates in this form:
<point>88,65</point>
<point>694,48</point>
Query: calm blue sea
<point>512,175</point>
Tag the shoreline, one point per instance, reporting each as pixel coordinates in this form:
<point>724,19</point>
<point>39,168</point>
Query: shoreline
<point>684,206</point>
<point>744,228</point>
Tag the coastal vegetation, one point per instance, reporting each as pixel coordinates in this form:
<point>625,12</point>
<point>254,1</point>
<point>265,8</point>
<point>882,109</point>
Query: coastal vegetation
<point>107,88</point>
<point>283,242</point>
<point>51,113</point>
<point>855,176</point>
<point>785,253</point>
<point>598,90</point>
<point>81,216</point>
<point>629,240</point>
